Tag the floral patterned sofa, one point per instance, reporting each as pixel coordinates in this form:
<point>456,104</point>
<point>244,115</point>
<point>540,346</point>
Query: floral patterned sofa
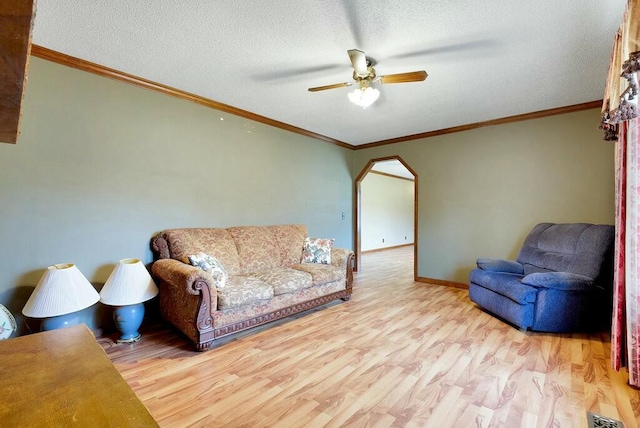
<point>215,282</point>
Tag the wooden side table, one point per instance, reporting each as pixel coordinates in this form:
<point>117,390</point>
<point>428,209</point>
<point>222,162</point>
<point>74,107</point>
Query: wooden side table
<point>64,378</point>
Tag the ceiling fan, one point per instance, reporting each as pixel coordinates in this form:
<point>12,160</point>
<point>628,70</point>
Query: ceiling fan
<point>364,74</point>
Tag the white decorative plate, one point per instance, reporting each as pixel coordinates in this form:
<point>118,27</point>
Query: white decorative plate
<point>7,323</point>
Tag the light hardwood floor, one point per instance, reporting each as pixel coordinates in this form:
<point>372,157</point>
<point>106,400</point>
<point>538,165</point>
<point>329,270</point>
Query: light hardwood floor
<point>399,353</point>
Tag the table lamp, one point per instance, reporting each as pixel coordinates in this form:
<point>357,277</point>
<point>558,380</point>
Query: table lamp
<point>127,288</point>
<point>60,294</point>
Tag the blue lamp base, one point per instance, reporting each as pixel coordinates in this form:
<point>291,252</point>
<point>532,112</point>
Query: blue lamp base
<point>128,320</point>
<point>60,321</point>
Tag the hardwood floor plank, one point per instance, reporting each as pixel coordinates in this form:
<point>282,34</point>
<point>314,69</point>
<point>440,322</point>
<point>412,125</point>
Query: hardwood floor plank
<point>366,404</point>
<point>398,354</point>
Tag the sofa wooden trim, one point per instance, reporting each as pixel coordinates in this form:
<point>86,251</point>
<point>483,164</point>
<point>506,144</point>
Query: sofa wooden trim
<point>208,335</point>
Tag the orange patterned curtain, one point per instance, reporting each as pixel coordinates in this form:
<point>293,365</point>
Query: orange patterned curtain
<point>620,102</point>
<point>621,124</point>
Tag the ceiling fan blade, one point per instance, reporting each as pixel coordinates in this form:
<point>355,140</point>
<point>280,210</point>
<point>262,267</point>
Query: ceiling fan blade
<point>354,17</point>
<point>324,88</point>
<point>359,62</point>
<point>477,47</point>
<point>413,76</point>
<point>302,72</point>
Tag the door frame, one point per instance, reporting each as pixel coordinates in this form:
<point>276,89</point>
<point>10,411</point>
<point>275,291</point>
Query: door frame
<point>358,209</point>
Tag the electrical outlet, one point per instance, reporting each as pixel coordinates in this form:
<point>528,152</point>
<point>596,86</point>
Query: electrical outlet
<point>405,238</point>
<point>343,216</point>
<point>383,240</point>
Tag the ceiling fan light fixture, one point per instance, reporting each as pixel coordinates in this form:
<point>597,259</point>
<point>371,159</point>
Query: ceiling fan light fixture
<point>364,97</point>
<point>364,75</point>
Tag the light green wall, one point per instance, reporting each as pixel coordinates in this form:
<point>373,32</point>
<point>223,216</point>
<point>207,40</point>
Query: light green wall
<point>101,166</point>
<point>481,191</point>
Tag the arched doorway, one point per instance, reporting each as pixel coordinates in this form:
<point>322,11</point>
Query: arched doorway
<point>358,208</point>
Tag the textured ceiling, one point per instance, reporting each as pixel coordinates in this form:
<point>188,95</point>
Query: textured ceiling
<point>485,60</point>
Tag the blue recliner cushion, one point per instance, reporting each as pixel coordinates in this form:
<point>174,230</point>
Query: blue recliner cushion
<point>505,284</point>
<point>578,248</point>
<point>559,281</point>
<point>499,265</point>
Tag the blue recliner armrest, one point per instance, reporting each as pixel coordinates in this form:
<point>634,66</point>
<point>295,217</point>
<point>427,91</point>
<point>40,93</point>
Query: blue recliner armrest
<point>558,281</point>
<point>498,265</point>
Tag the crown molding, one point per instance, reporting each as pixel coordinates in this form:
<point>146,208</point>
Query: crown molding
<point>100,70</point>
<point>500,121</point>
<point>386,174</point>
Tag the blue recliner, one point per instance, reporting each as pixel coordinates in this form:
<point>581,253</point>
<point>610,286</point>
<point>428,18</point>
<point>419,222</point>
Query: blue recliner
<point>560,282</point>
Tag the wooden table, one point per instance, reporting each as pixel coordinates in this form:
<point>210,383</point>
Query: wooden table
<point>64,378</point>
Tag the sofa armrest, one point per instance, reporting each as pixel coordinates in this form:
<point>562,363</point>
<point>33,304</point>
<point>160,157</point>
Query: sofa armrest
<point>184,278</point>
<point>498,265</point>
<point>343,258</point>
<point>558,281</point>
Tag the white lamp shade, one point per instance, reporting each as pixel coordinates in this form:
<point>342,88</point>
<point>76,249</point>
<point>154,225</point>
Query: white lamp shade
<point>61,290</point>
<point>128,284</point>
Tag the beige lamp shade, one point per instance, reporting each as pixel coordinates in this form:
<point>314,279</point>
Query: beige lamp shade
<point>128,284</point>
<point>61,290</point>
